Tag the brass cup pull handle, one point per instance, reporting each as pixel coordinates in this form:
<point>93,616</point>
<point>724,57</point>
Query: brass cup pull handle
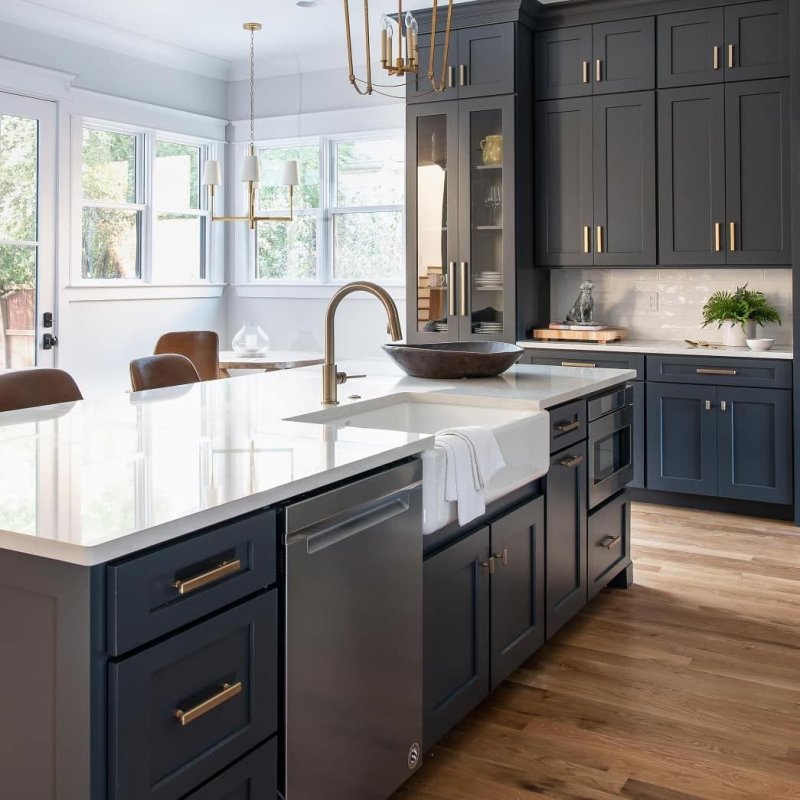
<point>225,569</point>
<point>488,566</point>
<point>585,76</point>
<point>711,371</point>
<point>228,692</point>
<point>502,557</point>
<point>731,58</point>
<point>584,364</point>
<point>610,542</point>
<point>570,462</point>
<point>568,427</point>
<point>717,60</point>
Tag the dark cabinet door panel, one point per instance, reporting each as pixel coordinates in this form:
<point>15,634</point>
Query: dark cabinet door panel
<point>755,445</point>
<point>564,202</point>
<point>565,568</point>
<point>758,172</point>
<point>563,63</point>
<point>609,542</point>
<point>639,434</point>
<point>456,633</point>
<point>691,48</point>
<point>625,179</point>
<point>517,588</point>
<point>757,40</point>
<point>418,86</point>
<point>681,438</point>
<point>624,55</point>
<point>691,165</point>
<point>486,61</point>
<point>255,776</point>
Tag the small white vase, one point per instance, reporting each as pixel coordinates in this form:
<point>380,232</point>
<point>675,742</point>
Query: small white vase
<point>734,334</point>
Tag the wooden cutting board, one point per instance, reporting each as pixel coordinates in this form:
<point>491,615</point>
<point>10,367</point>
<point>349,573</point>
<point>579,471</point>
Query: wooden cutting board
<point>598,337</point>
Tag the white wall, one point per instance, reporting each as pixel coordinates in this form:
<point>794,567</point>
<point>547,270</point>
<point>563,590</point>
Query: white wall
<point>621,298</point>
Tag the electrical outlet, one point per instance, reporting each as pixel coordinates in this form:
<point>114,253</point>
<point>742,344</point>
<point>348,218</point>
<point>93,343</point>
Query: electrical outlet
<point>652,301</point>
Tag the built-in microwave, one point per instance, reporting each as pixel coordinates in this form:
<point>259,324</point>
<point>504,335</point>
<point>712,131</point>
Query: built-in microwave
<point>610,444</point>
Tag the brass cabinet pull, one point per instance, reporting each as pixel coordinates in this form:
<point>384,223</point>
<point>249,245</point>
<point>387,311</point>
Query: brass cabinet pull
<point>718,236</point>
<point>570,462</point>
<point>568,427</point>
<point>488,565</point>
<point>713,371</point>
<point>228,692</point>
<point>598,70</point>
<point>599,238</point>
<point>225,569</point>
<point>584,364</point>
<point>708,405</point>
<point>451,288</point>
<point>502,557</point>
<point>587,239</point>
<point>451,77</point>
<point>733,237</point>
<point>464,289</point>
<point>723,406</point>
<point>717,61</point>
<point>585,65</point>
<point>609,542</point>
<point>731,51</point>
<point>462,74</point>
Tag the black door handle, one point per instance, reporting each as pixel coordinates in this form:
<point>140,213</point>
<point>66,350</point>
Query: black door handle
<point>49,341</point>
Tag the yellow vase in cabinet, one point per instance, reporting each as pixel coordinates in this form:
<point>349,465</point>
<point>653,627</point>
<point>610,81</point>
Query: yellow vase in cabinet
<point>492,147</point>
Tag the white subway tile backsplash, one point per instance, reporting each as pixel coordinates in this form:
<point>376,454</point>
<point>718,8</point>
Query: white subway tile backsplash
<point>621,298</point>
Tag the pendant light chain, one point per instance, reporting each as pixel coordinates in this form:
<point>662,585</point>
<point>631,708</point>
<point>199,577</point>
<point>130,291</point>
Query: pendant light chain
<point>252,87</point>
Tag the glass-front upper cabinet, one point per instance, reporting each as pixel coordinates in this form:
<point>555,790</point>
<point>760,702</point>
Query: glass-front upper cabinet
<point>461,221</point>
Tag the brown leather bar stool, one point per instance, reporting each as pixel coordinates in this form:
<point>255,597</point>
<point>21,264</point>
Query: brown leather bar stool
<point>161,372</point>
<point>200,347</point>
<point>29,388</point>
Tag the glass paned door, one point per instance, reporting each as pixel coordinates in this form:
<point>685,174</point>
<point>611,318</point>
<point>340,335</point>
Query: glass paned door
<point>27,213</point>
<point>433,220</point>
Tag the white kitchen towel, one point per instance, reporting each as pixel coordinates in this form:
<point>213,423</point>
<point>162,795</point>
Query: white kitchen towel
<point>487,458</point>
<point>460,485</point>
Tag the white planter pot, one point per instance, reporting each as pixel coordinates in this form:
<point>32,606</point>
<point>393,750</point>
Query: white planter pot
<point>736,335</point>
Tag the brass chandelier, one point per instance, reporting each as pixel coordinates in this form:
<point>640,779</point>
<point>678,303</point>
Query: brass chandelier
<point>399,49</point>
<point>251,167</point>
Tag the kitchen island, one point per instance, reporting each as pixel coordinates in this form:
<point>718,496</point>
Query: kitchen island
<point>142,542</point>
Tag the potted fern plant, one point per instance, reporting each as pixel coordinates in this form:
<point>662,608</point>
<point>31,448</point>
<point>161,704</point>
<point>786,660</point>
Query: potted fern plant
<point>738,313</point>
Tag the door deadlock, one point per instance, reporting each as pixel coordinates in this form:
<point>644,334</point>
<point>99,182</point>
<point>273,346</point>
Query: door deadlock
<point>49,341</point>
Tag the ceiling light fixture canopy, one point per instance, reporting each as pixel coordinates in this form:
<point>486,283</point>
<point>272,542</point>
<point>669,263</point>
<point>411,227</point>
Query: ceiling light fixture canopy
<point>399,49</point>
<point>251,167</point>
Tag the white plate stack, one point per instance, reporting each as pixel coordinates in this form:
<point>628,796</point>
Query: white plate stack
<point>488,328</point>
<point>489,281</point>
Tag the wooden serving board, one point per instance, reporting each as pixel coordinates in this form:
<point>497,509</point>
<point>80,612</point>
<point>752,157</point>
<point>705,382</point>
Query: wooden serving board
<point>598,337</point>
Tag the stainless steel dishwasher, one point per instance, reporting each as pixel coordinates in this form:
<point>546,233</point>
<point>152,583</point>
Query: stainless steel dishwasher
<point>354,638</point>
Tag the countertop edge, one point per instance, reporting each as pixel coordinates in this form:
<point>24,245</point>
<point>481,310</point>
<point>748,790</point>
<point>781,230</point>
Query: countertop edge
<point>657,348</point>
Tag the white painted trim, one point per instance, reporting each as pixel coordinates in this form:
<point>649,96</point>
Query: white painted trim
<point>314,291</point>
<point>142,291</point>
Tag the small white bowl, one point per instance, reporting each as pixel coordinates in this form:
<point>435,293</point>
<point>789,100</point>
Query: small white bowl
<point>760,344</point>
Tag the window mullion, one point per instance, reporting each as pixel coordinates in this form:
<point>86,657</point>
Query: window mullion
<point>147,165</point>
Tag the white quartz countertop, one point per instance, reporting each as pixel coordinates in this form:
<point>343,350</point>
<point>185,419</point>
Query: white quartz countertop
<point>96,480</point>
<point>655,347</point>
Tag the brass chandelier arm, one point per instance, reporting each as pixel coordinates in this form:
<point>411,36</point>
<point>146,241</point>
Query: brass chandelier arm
<point>252,218</point>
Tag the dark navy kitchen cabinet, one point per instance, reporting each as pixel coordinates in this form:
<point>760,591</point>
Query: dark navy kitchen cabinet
<point>690,47</point>
<point>681,438</point>
<point>456,633</point>
<point>563,63</point>
<point>755,444</point>
<point>518,617</point>
<point>418,86</point>
<point>566,536</point>
<point>756,40</point>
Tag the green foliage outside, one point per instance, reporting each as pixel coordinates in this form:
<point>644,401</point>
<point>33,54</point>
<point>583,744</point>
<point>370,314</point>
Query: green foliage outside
<point>743,305</point>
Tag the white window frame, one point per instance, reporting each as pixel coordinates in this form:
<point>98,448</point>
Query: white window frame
<point>146,139</point>
<point>327,213</point>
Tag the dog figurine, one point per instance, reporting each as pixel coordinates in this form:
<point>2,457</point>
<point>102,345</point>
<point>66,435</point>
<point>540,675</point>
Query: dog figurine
<point>582,313</point>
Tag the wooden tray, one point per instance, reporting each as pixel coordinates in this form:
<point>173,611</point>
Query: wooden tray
<point>598,337</point>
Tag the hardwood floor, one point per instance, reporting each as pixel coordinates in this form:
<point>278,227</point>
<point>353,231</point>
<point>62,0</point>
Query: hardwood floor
<point>686,686</point>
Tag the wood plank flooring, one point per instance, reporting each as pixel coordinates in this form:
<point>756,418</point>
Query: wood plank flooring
<point>686,686</point>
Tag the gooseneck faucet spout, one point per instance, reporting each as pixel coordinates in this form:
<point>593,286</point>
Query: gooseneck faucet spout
<point>331,377</point>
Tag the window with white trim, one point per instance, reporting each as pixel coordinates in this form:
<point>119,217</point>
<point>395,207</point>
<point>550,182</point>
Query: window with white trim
<point>144,215</point>
<point>349,211</point>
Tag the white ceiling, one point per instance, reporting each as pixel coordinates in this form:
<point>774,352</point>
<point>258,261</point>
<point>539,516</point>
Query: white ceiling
<point>206,36</point>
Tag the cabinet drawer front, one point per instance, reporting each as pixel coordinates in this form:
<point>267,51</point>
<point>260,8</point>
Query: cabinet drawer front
<point>589,359</point>
<point>254,776</point>
<point>567,425</point>
<point>720,371</point>
<point>609,542</point>
<point>181,711</point>
<point>157,593</point>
